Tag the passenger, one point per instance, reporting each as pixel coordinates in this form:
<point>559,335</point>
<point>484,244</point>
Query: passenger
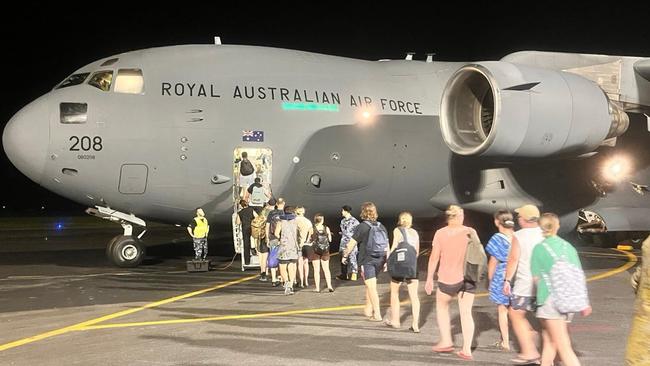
<point>522,296</point>
<point>256,195</point>
<point>258,231</point>
<point>371,238</point>
<point>498,248</point>
<point>287,231</point>
<point>637,352</point>
<point>405,233</point>
<point>245,218</point>
<point>556,257</point>
<point>448,251</point>
<point>272,219</point>
<point>305,229</point>
<point>320,252</point>
<point>246,173</point>
<point>348,224</point>
<point>198,230</point>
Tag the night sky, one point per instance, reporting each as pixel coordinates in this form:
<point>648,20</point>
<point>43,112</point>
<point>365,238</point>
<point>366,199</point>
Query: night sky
<point>43,45</point>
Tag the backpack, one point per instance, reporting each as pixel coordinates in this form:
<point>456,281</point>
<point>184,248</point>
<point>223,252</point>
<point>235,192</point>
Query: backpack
<point>273,261</point>
<point>567,283</point>
<point>377,243</point>
<point>321,241</point>
<point>258,227</point>
<point>403,261</point>
<point>246,167</point>
<point>475,259</point>
<point>257,197</point>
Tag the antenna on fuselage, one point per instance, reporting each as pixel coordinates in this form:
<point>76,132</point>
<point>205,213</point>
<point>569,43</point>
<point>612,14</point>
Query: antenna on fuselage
<point>409,56</point>
<point>217,40</point>
<point>430,56</point>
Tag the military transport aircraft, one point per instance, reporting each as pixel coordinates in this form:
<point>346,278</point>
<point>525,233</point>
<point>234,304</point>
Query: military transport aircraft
<point>155,133</point>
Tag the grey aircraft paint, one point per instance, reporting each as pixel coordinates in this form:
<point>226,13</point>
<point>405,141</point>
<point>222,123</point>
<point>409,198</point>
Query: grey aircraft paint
<point>365,131</point>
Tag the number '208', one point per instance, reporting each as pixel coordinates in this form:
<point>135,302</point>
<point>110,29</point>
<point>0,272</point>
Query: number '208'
<point>86,143</point>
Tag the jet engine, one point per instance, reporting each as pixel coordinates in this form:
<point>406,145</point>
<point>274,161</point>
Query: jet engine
<point>509,110</point>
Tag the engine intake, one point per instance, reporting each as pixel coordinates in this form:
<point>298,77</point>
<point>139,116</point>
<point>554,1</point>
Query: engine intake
<point>509,110</point>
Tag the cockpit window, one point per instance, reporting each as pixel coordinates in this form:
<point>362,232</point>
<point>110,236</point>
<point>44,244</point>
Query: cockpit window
<point>75,79</point>
<point>129,81</point>
<point>73,113</point>
<point>102,80</point>
<point>109,62</point>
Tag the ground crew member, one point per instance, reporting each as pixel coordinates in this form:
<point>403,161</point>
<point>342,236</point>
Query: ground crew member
<point>198,230</point>
<point>638,345</point>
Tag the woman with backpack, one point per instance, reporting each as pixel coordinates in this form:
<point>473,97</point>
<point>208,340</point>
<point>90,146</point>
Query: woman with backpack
<point>372,238</point>
<point>498,247</point>
<point>448,249</point>
<point>402,265</point>
<point>561,291</point>
<point>319,252</point>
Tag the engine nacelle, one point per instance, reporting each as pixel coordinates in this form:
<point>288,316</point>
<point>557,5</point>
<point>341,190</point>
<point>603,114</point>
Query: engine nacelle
<point>510,110</point>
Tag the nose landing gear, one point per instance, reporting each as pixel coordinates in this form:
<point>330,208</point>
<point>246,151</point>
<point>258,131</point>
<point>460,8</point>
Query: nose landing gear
<point>123,250</point>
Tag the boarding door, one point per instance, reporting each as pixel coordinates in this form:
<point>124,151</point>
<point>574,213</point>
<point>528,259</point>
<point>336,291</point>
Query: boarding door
<point>261,160</point>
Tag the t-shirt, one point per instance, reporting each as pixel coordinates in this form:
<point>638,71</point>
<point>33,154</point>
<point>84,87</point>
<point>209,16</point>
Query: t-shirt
<point>360,235</point>
<point>257,196</point>
<point>273,218</point>
<point>541,262</point>
<point>246,216</point>
<point>304,226</point>
<point>450,244</point>
<point>527,238</point>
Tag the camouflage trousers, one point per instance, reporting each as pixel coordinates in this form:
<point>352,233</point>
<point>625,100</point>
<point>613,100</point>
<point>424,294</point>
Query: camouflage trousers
<point>352,266</point>
<point>200,248</point>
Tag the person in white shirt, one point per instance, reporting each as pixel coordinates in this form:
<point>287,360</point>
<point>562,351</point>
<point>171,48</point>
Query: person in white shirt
<point>522,295</point>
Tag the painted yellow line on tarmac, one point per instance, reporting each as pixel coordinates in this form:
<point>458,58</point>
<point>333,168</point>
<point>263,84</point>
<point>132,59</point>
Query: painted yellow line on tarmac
<point>631,262</point>
<point>91,322</point>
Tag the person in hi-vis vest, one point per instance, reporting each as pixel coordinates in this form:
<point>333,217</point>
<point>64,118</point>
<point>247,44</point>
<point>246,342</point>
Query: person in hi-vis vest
<point>198,230</point>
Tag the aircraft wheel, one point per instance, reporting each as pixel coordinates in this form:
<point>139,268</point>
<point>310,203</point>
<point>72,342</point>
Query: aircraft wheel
<point>109,248</point>
<point>125,251</point>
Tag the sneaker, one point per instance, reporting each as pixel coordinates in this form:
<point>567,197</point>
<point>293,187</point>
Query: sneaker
<point>263,277</point>
<point>276,283</point>
<point>353,277</point>
<point>290,289</point>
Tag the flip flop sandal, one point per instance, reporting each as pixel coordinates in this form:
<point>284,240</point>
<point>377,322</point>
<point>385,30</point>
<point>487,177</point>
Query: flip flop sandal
<point>523,361</point>
<point>414,330</point>
<point>464,356</point>
<point>449,349</point>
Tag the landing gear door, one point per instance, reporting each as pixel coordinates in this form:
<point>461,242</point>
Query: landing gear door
<point>260,159</point>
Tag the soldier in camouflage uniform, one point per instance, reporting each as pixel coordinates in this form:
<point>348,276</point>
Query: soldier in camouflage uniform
<point>348,224</point>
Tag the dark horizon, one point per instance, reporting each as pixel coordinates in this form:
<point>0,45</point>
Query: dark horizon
<point>42,45</point>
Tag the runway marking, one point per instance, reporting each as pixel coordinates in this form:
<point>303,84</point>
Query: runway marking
<point>632,260</point>
<point>91,322</point>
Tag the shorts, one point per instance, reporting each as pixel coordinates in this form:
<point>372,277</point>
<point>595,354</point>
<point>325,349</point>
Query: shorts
<point>246,180</point>
<point>526,303</point>
<point>456,288</point>
<point>549,311</point>
<point>313,256</point>
<point>306,250</point>
<point>372,268</point>
<point>403,279</point>
<point>288,261</point>
<point>262,247</point>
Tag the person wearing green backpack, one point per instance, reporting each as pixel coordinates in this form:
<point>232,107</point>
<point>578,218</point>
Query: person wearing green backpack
<point>561,291</point>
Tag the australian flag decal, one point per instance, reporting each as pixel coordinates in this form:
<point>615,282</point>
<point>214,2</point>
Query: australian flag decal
<point>252,136</point>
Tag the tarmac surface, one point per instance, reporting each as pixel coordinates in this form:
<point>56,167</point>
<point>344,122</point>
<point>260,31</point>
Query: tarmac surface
<point>62,303</point>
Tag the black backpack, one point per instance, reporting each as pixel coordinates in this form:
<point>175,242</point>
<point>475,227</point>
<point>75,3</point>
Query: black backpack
<point>321,241</point>
<point>246,167</point>
<point>403,261</point>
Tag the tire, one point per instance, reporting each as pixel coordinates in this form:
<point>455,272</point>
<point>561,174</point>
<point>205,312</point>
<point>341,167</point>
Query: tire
<point>125,251</point>
<point>109,248</point>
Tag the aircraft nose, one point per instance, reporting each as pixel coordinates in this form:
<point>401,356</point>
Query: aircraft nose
<point>26,138</point>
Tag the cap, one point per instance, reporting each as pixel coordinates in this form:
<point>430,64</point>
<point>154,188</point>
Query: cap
<point>271,202</point>
<point>528,212</point>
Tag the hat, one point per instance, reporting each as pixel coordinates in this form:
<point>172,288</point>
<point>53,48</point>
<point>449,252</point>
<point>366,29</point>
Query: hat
<point>271,202</point>
<point>528,212</point>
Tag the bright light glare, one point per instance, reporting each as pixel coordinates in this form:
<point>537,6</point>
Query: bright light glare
<point>616,169</point>
<point>366,114</point>
<point>129,82</point>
